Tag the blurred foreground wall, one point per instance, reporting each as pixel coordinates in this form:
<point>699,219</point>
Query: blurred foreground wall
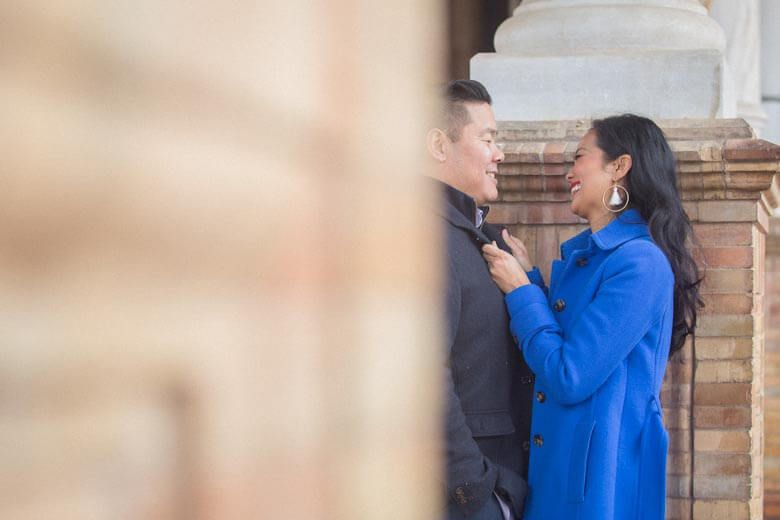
<point>217,287</point>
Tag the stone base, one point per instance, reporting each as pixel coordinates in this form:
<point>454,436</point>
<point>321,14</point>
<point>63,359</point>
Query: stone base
<point>657,84</point>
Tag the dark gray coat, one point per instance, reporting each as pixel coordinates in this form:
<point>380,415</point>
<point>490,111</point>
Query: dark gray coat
<point>488,384</point>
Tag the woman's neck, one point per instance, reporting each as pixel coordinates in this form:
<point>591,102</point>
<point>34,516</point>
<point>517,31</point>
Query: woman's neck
<point>600,221</point>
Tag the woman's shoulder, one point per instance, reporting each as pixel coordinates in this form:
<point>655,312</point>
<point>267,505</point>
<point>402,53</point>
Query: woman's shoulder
<point>641,254</point>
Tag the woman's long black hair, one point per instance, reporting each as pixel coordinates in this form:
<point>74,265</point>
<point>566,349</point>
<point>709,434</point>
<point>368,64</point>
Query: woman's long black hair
<point>652,186</point>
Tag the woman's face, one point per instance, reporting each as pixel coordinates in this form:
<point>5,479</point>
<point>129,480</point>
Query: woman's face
<point>589,177</point>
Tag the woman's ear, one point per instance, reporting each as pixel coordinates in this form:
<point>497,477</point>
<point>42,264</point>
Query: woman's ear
<point>436,142</point>
<point>622,166</point>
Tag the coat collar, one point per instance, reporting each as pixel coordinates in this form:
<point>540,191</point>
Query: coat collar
<point>626,226</point>
<point>460,210</point>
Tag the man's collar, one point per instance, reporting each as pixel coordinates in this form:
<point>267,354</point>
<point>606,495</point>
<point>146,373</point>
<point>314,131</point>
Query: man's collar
<point>464,204</point>
<point>460,209</point>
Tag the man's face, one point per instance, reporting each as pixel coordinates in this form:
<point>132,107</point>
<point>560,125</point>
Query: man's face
<point>473,159</point>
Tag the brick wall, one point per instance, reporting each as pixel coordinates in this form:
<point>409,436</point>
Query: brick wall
<point>772,376</point>
<point>712,394</point>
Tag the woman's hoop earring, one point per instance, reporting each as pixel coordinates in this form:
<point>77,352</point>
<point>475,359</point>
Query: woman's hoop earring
<point>617,201</point>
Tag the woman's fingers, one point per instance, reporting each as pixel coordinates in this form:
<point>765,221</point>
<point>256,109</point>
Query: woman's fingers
<point>491,250</point>
<point>513,242</point>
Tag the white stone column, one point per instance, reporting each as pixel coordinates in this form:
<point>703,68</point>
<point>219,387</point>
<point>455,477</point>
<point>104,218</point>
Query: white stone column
<point>741,21</point>
<point>770,67</point>
<point>569,59</point>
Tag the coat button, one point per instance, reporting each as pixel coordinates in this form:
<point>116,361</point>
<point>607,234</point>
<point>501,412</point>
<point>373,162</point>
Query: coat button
<point>582,262</point>
<point>526,445</point>
<point>540,397</point>
<point>559,305</point>
<point>538,441</point>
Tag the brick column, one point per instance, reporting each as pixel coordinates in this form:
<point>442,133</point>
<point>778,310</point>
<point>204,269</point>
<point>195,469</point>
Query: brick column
<point>772,375</point>
<point>713,392</point>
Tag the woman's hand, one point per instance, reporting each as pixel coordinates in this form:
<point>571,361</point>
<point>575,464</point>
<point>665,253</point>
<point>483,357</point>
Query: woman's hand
<point>518,250</point>
<point>504,268</point>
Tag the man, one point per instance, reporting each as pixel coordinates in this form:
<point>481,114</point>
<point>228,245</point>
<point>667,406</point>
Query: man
<point>488,384</point>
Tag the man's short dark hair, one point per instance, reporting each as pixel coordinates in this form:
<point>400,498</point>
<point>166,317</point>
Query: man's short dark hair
<point>456,94</point>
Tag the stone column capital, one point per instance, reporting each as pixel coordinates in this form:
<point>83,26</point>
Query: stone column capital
<point>553,27</point>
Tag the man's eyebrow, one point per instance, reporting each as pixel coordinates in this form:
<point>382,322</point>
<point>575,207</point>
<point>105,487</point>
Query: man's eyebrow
<point>489,130</point>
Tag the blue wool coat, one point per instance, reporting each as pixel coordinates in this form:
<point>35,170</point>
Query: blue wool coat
<point>598,345</point>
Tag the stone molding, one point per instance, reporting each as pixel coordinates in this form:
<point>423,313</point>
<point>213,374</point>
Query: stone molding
<point>718,160</point>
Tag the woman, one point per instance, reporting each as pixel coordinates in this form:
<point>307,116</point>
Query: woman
<point>622,298</point>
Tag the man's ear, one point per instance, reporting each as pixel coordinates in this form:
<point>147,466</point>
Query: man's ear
<point>622,166</point>
<point>436,142</point>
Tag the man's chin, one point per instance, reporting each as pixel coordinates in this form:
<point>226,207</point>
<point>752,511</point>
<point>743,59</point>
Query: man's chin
<point>490,196</point>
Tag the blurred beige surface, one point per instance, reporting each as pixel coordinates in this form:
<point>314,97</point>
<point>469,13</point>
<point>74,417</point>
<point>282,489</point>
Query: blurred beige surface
<point>217,282</point>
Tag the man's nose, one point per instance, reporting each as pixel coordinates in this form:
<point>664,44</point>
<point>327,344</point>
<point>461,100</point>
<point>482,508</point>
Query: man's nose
<point>499,155</point>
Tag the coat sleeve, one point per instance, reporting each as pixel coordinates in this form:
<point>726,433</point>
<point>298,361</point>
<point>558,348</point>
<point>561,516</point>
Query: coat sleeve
<point>634,293</point>
<point>471,477</point>
<point>536,278</point>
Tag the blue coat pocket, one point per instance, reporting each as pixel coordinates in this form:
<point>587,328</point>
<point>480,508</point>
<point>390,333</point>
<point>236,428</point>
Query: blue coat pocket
<point>578,461</point>
<point>651,496</point>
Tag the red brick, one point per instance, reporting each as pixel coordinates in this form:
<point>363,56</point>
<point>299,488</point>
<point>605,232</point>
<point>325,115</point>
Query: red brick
<point>723,441</point>
<point>724,371</point>
<point>678,486</point>
<point>721,464</point>
<point>727,281</point>
<point>721,510</point>
<point>557,171</point>
<point>727,304</point>
<point>677,418</point>
<point>545,213</point>
<point>724,348</point>
<point>719,487</point>
<point>709,257</point>
<point>724,325</point>
<point>718,234</point>
<point>674,395</point>
<point>728,211</point>
<point>521,184</point>
<point>678,463</point>
<point>750,150</point>
<point>502,213</point>
<point>717,394</point>
<point>719,417</point>
<point>713,182</point>
<point>547,248</point>
<point>557,183</point>
<point>678,508</point>
<point>512,169</point>
<point>553,152</point>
